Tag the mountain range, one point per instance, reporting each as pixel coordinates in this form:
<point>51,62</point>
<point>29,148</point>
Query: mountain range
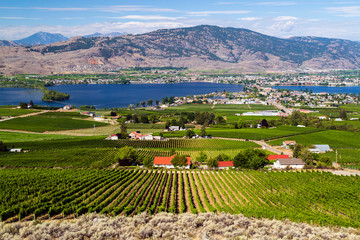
<point>199,47</point>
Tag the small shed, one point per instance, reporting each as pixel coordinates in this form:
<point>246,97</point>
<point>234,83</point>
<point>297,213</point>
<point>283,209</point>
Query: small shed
<point>288,144</point>
<point>15,150</point>
<point>321,148</point>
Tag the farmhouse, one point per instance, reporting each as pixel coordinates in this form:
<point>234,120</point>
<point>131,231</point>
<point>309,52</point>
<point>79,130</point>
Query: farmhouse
<point>138,136</point>
<point>276,157</point>
<point>166,162</point>
<point>225,164</point>
<point>113,137</point>
<point>288,144</point>
<point>322,148</point>
<point>176,128</point>
<point>289,162</point>
<point>15,150</point>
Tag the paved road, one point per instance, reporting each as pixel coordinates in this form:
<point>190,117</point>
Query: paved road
<point>267,146</point>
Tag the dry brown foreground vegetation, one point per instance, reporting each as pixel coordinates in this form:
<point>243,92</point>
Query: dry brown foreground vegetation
<point>171,226</point>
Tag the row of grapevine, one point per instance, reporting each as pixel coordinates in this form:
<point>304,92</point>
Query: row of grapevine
<point>316,197</point>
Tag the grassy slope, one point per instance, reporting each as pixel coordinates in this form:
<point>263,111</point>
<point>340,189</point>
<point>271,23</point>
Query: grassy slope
<point>16,112</point>
<point>43,123</point>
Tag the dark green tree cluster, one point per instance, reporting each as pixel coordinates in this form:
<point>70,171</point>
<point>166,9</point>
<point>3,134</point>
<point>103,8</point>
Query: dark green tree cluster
<point>3,148</point>
<point>179,161</point>
<point>127,156</point>
<point>53,95</point>
<point>204,118</point>
<point>250,159</point>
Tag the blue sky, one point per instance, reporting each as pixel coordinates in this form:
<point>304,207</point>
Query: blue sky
<point>332,18</point>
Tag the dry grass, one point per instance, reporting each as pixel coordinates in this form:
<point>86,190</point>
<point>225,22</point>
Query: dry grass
<point>170,226</point>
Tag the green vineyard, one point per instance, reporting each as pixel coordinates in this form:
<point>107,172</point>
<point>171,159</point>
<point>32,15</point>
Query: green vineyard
<point>86,142</point>
<point>313,197</point>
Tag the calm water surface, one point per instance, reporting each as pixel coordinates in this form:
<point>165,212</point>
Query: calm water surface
<point>112,95</point>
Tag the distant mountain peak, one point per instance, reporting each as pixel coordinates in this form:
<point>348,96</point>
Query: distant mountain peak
<point>41,38</point>
<point>112,34</point>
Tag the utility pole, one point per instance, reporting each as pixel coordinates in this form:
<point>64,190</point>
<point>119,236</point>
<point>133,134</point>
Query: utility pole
<point>94,129</point>
<point>336,158</point>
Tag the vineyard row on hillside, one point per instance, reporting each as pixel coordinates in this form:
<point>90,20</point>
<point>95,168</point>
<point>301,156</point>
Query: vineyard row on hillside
<point>312,197</point>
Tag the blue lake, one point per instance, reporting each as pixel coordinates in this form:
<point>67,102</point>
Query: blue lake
<point>319,89</point>
<point>112,95</point>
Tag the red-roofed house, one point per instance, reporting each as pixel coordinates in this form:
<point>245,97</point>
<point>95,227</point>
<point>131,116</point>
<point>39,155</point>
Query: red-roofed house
<point>276,157</point>
<point>166,162</point>
<point>225,164</point>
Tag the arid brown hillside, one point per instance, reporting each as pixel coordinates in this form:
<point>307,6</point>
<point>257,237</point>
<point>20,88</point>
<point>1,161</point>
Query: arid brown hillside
<point>200,47</point>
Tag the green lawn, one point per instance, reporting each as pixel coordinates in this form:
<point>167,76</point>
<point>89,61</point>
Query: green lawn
<point>7,112</point>
<point>43,123</point>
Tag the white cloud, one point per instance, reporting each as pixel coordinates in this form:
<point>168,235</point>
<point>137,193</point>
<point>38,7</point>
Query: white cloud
<point>349,11</point>
<point>283,3</point>
<point>20,18</point>
<point>207,13</point>
<point>146,17</point>
<point>273,3</point>
<point>18,32</point>
<point>74,18</point>
<point>250,18</point>
<point>285,18</point>
<point>113,9</point>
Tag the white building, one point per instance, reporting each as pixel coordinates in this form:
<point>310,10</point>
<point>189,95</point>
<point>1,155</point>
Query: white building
<point>289,163</point>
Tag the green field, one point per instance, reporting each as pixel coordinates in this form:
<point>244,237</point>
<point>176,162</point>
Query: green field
<point>335,139</point>
<point>297,196</point>
<point>249,133</point>
<point>7,112</point>
<point>12,137</point>
<point>66,158</point>
<point>42,123</point>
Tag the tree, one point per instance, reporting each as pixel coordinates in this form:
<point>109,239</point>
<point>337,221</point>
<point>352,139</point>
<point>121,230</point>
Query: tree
<point>250,158</point>
<point>202,157</point>
<point>137,105</point>
<point>131,107</point>
<point>142,103</point>
<point>164,100</point>
<point>181,122</point>
<point>150,102</point>
<point>190,133</point>
<point>148,161</point>
<point>241,123</point>
<point>157,102</point>
<point>144,119</point>
<point>152,118</point>
<point>3,148</point>
<point>113,114</point>
<point>31,103</point>
<point>240,161</point>
<point>264,123</point>
<point>343,114</point>
<point>167,124</point>
<point>123,130</point>
<point>307,157</point>
<point>23,105</point>
<point>203,131</point>
<point>212,163</point>
<point>297,150</point>
<point>326,160</point>
<point>179,161</point>
<point>126,156</point>
<point>172,152</point>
